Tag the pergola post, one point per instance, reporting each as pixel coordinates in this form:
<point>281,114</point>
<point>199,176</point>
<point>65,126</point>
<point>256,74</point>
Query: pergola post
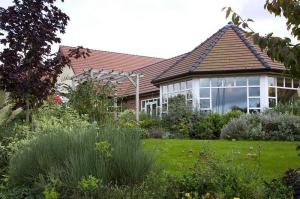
<point>137,98</point>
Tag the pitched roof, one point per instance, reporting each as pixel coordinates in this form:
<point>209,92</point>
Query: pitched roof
<point>109,60</point>
<point>227,50</point>
<point>149,72</point>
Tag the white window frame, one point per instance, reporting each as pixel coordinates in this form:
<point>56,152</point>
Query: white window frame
<point>223,86</point>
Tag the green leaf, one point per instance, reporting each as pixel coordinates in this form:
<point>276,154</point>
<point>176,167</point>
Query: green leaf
<point>228,12</point>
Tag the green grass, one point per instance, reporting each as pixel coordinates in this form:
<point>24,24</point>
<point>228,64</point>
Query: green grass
<point>179,156</point>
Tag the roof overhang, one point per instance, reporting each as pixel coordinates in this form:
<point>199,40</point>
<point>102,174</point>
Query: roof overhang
<point>189,75</point>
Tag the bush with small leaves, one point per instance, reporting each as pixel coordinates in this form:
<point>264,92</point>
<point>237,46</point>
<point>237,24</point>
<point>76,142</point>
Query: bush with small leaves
<point>269,125</point>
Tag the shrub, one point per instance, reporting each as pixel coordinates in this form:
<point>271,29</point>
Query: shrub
<point>178,119</point>
<point>266,126</point>
<point>209,126</point>
<point>222,178</point>
<point>92,99</point>
<point>149,122</point>
<point>127,119</point>
<point>71,157</point>
<point>289,108</point>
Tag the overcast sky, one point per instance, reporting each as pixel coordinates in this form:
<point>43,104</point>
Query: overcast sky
<point>160,28</point>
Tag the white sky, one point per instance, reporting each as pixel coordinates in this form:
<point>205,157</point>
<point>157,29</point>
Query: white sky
<point>160,28</point>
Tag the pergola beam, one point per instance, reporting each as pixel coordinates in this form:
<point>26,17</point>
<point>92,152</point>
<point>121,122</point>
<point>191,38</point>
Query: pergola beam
<point>112,77</point>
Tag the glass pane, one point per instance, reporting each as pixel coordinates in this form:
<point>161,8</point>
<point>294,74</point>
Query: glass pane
<point>204,103</point>
<point>271,81</point>
<point>189,84</point>
<point>189,103</point>
<point>165,89</point>
<point>254,91</point>
<point>182,86</point>
<point>165,98</point>
<point>148,109</point>
<point>143,104</point>
<point>254,103</point>
<point>170,88</point>
<point>286,95</point>
<point>272,92</point>
<point>288,82</point>
<point>229,82</point>
<point>154,112</point>
<point>272,102</point>
<point>241,81</point>
<point>176,87</point>
<point>216,82</point>
<point>204,82</point>
<point>164,107</point>
<point>204,92</point>
<point>280,82</point>
<point>189,95</point>
<point>296,83</point>
<point>254,81</point>
<point>226,99</point>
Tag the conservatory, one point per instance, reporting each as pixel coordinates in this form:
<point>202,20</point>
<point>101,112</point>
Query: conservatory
<point>227,72</point>
<point>222,94</point>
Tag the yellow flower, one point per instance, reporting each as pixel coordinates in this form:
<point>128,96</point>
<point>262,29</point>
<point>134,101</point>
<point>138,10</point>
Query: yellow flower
<point>188,195</point>
<point>236,198</point>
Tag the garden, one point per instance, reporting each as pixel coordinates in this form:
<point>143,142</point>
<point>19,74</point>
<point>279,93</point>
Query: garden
<point>84,148</point>
<point>79,149</point>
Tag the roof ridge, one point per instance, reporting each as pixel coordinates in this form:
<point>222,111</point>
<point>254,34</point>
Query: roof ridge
<point>114,52</point>
<point>219,34</point>
<point>185,55</point>
<point>258,56</point>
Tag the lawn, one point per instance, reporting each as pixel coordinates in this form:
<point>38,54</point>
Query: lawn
<point>179,156</point>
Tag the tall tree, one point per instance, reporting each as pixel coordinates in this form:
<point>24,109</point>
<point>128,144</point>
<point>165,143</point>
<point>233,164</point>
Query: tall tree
<point>279,49</point>
<point>28,68</point>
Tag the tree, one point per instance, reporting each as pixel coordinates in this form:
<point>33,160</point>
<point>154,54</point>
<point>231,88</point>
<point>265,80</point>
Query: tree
<point>28,68</point>
<point>279,49</point>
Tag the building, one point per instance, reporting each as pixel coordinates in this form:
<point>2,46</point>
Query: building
<point>227,71</point>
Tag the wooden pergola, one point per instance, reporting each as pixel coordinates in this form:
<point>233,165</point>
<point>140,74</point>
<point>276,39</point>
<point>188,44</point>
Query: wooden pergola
<point>111,77</point>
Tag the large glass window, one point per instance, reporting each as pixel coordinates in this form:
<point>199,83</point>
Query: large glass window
<point>179,88</point>
<point>226,99</point>
<point>282,90</point>
<point>230,93</point>
<point>151,106</point>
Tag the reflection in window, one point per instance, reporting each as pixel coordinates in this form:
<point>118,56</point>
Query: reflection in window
<point>204,92</point>
<point>229,82</point>
<point>254,91</point>
<point>280,82</point>
<point>296,83</point>
<point>286,95</point>
<point>189,84</point>
<point>288,82</point>
<point>241,81</point>
<point>204,82</point>
<point>254,102</point>
<point>271,81</point>
<point>226,99</point>
<point>205,103</point>
<point>254,81</point>
<point>272,92</point>
<point>216,82</point>
<point>272,102</point>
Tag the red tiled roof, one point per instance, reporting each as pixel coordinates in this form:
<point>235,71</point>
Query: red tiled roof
<point>226,50</point>
<point>149,72</point>
<point>109,60</point>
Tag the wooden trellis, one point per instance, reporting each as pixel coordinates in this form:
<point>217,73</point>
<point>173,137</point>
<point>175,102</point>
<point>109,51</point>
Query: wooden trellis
<point>111,77</point>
